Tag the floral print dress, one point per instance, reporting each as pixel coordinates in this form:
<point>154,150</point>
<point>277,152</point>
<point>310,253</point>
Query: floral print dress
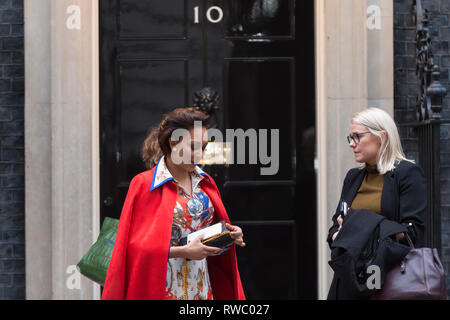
<point>186,279</point>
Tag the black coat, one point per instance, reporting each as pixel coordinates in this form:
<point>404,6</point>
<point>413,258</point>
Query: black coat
<point>366,239</point>
<point>403,200</point>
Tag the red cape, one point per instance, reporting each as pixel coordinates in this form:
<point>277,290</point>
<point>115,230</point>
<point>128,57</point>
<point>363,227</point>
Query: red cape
<point>138,265</point>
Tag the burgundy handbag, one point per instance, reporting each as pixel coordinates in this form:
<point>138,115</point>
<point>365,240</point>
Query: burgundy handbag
<point>420,276</point>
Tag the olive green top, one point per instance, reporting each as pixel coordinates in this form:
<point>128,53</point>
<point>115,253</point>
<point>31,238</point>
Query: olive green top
<point>369,194</point>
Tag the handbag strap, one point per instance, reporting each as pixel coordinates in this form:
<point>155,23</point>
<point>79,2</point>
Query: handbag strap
<point>409,240</point>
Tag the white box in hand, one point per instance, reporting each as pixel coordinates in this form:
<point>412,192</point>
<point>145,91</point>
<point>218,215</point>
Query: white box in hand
<point>207,232</point>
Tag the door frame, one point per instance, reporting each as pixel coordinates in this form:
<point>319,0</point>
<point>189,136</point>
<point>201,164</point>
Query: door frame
<point>62,212</point>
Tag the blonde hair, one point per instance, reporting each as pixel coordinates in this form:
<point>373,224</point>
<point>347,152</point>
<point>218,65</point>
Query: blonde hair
<point>376,121</point>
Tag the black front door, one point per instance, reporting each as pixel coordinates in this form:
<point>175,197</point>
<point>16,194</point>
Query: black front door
<point>258,56</point>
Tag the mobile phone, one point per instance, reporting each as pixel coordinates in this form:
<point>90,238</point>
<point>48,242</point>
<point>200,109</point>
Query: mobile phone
<point>344,209</point>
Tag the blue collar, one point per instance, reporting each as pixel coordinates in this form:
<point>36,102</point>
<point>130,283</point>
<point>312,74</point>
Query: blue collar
<point>162,174</point>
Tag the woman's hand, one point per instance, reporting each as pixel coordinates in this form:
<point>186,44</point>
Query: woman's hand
<point>195,250</point>
<point>340,221</point>
<point>236,234</point>
<point>399,236</point>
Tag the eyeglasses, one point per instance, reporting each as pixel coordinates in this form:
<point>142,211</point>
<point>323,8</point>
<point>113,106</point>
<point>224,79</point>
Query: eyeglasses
<point>356,137</point>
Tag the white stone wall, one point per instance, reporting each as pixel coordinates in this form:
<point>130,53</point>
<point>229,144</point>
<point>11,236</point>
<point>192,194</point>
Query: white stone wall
<point>61,145</point>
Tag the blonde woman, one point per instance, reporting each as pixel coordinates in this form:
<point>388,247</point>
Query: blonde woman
<point>387,183</point>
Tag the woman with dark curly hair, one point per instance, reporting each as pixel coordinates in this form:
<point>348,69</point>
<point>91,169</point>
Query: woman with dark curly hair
<point>163,205</point>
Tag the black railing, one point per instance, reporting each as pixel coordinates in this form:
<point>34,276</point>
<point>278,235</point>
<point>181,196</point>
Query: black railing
<point>428,123</point>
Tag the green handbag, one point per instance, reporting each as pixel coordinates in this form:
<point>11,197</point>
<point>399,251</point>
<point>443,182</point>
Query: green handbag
<point>94,264</point>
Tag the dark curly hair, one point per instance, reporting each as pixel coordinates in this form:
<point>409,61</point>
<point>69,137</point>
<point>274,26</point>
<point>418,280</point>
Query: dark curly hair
<point>157,142</point>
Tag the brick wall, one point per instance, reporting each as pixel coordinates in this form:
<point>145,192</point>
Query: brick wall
<point>406,89</point>
<point>12,211</point>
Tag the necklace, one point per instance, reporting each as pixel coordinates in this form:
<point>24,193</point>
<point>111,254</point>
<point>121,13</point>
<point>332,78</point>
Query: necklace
<point>195,206</point>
